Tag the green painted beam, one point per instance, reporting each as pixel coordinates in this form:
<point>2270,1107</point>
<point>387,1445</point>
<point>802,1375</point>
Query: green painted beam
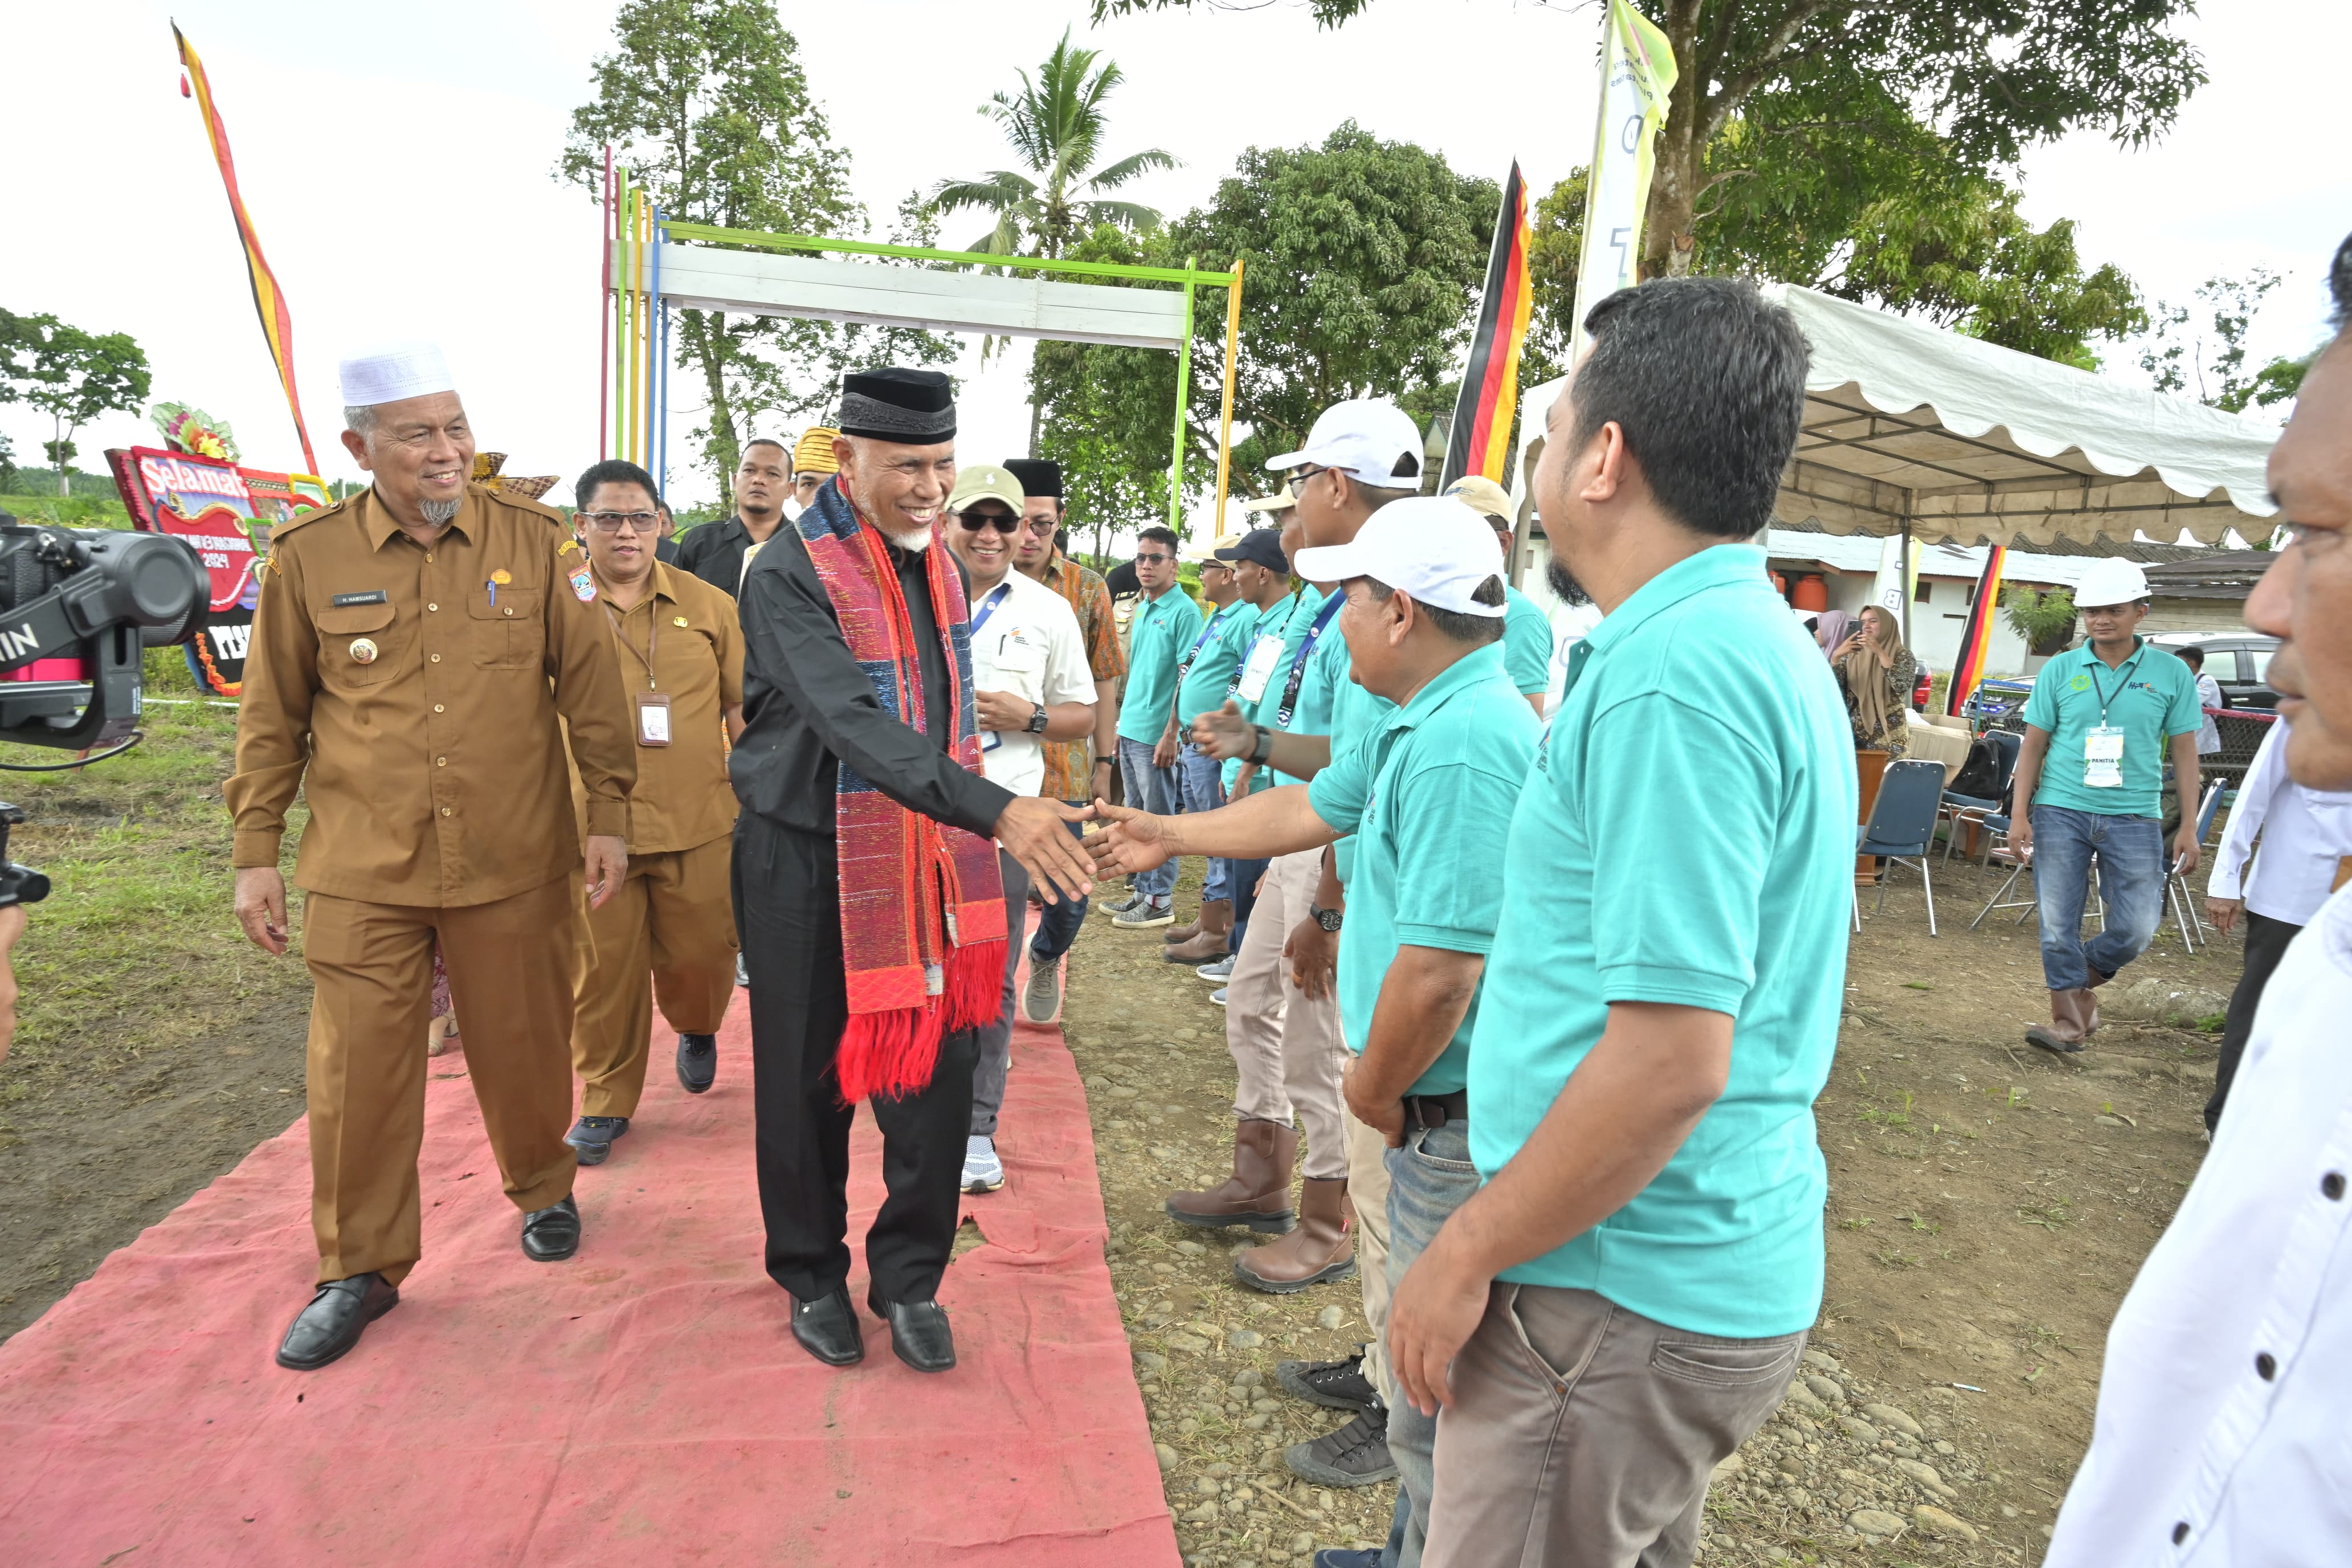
<point>671,226</point>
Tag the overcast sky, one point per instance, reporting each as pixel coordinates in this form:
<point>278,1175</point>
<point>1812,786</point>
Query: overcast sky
<point>397,163</point>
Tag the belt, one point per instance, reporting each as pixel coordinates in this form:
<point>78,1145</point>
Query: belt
<point>1436,1110</point>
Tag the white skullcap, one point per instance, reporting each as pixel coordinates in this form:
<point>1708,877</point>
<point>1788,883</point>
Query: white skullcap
<point>393,372</point>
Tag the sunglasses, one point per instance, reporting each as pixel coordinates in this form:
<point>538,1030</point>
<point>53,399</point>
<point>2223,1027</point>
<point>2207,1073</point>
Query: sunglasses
<point>614,521</point>
<point>1155,559</point>
<point>973,521</point>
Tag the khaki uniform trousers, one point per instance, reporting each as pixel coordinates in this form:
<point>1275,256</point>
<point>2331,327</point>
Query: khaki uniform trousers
<point>509,963</point>
<point>674,916</point>
<point>1368,1193</point>
<point>1287,1056</point>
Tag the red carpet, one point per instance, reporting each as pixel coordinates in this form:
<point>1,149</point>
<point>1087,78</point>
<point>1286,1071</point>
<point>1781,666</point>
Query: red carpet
<point>643,1404</point>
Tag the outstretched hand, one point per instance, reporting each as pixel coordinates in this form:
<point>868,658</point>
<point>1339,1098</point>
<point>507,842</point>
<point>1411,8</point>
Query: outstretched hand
<point>1224,733</point>
<point>1031,830</point>
<point>1131,840</point>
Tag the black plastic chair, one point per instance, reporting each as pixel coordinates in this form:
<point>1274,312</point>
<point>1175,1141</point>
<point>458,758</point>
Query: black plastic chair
<point>1902,827</point>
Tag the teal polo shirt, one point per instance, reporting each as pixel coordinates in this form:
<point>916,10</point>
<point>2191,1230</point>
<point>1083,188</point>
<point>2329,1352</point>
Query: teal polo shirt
<point>1216,653</point>
<point>2151,697</point>
<point>1686,835</point>
<point>1159,635</point>
<point>1346,712</point>
<point>1426,798</point>
<point>1527,643</point>
<point>1292,618</point>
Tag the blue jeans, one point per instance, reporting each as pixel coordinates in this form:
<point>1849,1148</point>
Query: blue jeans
<point>2130,851</point>
<point>1201,781</point>
<point>1059,923</point>
<point>1245,875</point>
<point>1151,789</point>
<point>1429,1178</point>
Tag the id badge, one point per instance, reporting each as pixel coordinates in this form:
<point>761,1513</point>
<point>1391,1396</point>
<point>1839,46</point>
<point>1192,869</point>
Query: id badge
<point>1263,655</point>
<point>2102,757</point>
<point>653,719</point>
<point>990,740</point>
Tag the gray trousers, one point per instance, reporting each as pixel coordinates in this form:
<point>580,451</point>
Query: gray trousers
<point>996,1039</point>
<point>1582,1434</point>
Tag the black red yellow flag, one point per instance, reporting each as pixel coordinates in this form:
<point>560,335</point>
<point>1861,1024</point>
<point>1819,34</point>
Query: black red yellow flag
<point>1479,442</point>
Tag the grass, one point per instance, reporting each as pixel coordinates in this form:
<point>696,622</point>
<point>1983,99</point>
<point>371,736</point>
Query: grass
<point>136,946</point>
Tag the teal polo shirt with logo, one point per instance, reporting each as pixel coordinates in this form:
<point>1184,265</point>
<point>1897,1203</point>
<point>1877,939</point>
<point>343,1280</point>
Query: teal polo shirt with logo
<point>1347,713</point>
<point>1527,643</point>
<point>1159,635</point>
<point>2151,697</point>
<point>1686,837</point>
<point>1291,618</point>
<point>1227,637</point>
<point>1426,798</point>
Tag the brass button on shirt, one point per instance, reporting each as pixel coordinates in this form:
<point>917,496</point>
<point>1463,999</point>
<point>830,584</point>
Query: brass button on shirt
<point>413,696</point>
<point>682,799</point>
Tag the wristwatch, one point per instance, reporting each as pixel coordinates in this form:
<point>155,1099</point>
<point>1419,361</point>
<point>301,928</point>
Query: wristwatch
<point>1262,748</point>
<point>1327,919</point>
<point>1038,720</point>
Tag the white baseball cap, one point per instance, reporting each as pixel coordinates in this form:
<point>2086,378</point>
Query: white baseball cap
<point>1432,549</point>
<point>1371,439</point>
<point>2110,580</point>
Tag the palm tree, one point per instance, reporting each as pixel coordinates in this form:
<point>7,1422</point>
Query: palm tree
<point>1055,124</point>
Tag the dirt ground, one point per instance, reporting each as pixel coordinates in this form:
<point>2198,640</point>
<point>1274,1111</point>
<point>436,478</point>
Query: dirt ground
<point>1988,1207</point>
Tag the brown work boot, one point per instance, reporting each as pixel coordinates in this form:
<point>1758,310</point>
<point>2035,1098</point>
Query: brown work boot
<point>1184,932</point>
<point>1257,1194</point>
<point>1322,1248</point>
<point>1211,937</point>
<point>2073,1017</point>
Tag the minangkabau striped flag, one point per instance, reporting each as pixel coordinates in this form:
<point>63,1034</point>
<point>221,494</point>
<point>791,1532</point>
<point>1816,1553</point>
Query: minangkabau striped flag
<point>1976,637</point>
<point>277,326</point>
<point>1479,442</point>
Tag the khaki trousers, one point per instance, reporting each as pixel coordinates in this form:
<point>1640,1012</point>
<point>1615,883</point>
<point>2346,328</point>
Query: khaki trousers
<point>1368,1189</point>
<point>1582,1434</point>
<point>509,965</point>
<point>674,916</point>
<point>1286,1046</point>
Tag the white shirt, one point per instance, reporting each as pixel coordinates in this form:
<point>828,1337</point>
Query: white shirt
<point>1028,644</point>
<point>2208,697</point>
<point>2197,1458</point>
<point>2304,834</point>
<point>1570,624</point>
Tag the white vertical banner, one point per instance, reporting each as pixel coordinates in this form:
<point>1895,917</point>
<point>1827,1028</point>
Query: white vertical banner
<point>1898,576</point>
<point>1637,72</point>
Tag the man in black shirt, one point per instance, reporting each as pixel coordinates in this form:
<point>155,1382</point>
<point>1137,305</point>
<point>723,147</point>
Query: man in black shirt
<point>810,707</point>
<point>763,479</point>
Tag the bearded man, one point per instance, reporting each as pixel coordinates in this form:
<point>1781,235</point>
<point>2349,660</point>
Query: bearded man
<point>867,892</point>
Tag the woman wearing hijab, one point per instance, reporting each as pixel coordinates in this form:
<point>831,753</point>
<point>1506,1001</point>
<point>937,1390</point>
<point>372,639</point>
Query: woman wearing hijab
<point>1830,629</point>
<point>1877,673</point>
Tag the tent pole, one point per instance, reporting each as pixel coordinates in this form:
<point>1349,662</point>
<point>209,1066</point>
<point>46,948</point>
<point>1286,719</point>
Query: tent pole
<point>1903,576</point>
<point>604,312</point>
<point>1225,416</point>
<point>1183,392</point>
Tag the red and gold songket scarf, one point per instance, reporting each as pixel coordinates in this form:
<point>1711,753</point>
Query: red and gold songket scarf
<point>922,905</point>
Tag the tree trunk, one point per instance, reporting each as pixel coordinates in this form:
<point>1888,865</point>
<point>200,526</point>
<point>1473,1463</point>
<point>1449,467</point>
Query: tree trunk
<point>706,337</point>
<point>1036,413</point>
<point>1668,246</point>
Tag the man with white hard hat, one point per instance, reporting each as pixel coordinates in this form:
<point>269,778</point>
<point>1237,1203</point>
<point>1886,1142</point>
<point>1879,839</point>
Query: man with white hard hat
<point>1426,792</point>
<point>413,649</point>
<point>2098,728</point>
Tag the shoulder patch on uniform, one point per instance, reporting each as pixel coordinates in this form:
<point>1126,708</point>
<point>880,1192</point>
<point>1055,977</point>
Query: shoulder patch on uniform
<point>584,585</point>
<point>568,545</point>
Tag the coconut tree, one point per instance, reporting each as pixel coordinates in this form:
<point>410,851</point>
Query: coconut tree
<point>1056,126</point>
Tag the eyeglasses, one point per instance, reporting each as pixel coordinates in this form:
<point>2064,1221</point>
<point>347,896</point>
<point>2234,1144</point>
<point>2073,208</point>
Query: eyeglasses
<point>1043,527</point>
<point>614,521</point>
<point>973,521</point>
<point>1298,478</point>
<point>1155,559</point>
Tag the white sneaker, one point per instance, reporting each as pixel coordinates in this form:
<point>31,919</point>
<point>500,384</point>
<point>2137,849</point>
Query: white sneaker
<point>742,971</point>
<point>1217,973</point>
<point>1218,996</point>
<point>982,1170</point>
<point>1145,913</point>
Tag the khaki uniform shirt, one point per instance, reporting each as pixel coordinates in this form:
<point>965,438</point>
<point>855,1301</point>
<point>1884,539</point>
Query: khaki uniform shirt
<point>682,799</point>
<point>413,695</point>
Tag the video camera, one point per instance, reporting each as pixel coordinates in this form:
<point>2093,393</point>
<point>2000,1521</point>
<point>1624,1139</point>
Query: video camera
<point>79,609</point>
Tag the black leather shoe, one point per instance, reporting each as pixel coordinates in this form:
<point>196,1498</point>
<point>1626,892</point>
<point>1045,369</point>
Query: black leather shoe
<point>827,1329</point>
<point>552,1234</point>
<point>334,1320</point>
<point>919,1332</point>
<point>698,1061</point>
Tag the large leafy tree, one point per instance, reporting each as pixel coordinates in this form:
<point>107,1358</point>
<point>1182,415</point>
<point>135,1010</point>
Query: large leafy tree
<point>2204,351</point>
<point>1364,262</point>
<point>707,104</point>
<point>69,375</point>
<point>1991,76</point>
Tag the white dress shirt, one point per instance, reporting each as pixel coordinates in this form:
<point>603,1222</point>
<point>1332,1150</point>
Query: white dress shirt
<point>2208,697</point>
<point>1026,642</point>
<point>2306,833</point>
<point>2225,1431</point>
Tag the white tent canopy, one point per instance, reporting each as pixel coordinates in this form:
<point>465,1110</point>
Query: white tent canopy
<point>1909,427</point>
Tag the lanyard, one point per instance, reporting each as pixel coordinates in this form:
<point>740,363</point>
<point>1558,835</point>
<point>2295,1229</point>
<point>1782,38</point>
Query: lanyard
<point>987,608</point>
<point>653,636</point>
<point>1200,642</point>
<point>1235,685</point>
<point>1299,665</point>
<point>2123,680</point>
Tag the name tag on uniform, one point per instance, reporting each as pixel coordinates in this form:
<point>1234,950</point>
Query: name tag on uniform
<point>1263,655</point>
<point>653,719</point>
<point>344,601</point>
<point>2102,757</point>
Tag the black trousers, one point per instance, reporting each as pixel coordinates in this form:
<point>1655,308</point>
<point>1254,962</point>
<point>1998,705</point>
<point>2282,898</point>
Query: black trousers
<point>2266,944</point>
<point>788,912</point>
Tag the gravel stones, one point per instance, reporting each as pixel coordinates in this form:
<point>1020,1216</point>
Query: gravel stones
<point>1244,1339</point>
<point>1149,1364</point>
<point>1806,1400</point>
<point>1862,1432</point>
<point>1168,1458</point>
<point>1187,1344</point>
<point>1935,1521</point>
<point>1828,1391</point>
<point>1823,1361</point>
<point>1329,1318</point>
<point>1887,1415</point>
<point>1926,1476</point>
<point>1875,1522</point>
